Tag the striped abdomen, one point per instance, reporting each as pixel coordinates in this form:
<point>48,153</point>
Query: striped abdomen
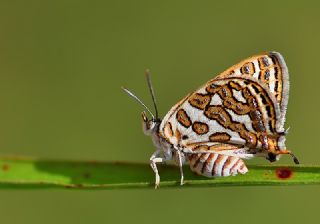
<point>216,165</point>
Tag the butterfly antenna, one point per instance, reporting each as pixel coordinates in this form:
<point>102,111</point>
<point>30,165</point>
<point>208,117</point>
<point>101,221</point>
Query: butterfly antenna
<point>295,159</point>
<point>148,76</point>
<point>138,100</point>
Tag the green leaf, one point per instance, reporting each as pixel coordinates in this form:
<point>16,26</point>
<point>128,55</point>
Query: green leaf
<point>31,173</point>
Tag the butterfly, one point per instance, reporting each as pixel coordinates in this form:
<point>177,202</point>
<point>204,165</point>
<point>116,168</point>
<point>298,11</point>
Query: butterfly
<point>240,114</point>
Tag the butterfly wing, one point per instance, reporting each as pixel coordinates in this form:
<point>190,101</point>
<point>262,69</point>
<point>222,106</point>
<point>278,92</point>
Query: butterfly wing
<point>241,109</point>
<point>232,110</point>
<point>270,69</point>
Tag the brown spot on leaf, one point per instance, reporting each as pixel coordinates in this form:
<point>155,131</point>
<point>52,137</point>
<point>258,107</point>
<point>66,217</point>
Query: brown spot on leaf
<point>87,175</point>
<point>5,167</point>
<point>284,173</point>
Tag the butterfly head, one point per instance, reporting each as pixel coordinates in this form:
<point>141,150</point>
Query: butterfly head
<point>149,126</point>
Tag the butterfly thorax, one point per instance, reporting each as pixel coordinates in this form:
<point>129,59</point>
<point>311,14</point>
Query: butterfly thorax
<point>151,128</point>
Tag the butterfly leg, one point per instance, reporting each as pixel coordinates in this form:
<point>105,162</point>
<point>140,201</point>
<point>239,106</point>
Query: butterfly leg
<point>295,159</point>
<point>154,159</point>
<point>180,166</point>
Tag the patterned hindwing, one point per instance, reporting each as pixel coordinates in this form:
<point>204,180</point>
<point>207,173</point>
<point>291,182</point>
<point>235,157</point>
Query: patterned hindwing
<point>215,163</point>
<point>233,110</point>
<point>269,69</point>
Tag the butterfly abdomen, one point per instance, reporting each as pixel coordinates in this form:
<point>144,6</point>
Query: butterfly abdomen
<point>216,165</point>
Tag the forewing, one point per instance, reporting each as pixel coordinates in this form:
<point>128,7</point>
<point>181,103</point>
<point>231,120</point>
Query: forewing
<point>236,107</point>
<point>233,110</point>
<point>268,68</point>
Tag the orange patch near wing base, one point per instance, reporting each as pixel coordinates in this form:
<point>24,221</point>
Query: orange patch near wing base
<point>201,148</point>
<point>178,135</point>
<point>168,129</point>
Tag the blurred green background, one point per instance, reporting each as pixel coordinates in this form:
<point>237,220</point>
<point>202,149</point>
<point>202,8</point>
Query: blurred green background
<point>62,64</point>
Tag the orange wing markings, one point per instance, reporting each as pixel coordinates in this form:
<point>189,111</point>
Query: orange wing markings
<point>258,68</point>
<point>252,92</point>
<point>200,128</point>
<point>268,68</point>
<point>168,129</point>
<point>210,146</point>
<point>199,101</point>
<point>219,137</point>
<point>183,118</point>
<point>258,106</point>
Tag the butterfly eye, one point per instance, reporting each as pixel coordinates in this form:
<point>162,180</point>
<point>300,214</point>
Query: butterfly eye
<point>150,125</point>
